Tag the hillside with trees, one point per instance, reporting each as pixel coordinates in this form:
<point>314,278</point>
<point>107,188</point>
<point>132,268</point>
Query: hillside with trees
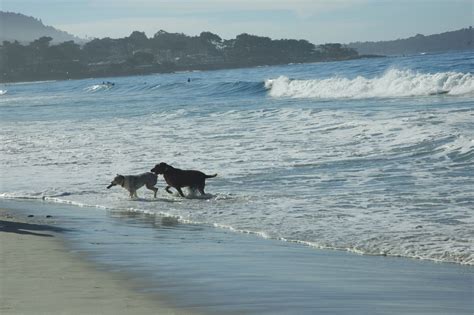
<point>164,52</point>
<point>462,39</point>
<point>25,29</point>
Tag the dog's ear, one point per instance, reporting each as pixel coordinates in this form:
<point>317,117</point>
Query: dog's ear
<point>120,179</point>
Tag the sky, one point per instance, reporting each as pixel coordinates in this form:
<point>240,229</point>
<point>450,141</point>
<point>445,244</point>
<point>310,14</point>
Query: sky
<point>319,21</point>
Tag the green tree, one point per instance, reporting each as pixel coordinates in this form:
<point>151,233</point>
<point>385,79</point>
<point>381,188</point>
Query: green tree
<point>138,40</point>
<point>141,58</point>
<point>14,55</point>
<point>67,51</point>
<point>39,48</point>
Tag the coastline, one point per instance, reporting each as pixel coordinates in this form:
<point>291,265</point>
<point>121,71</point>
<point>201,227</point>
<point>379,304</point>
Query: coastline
<point>155,70</point>
<point>130,263</point>
<point>40,276</point>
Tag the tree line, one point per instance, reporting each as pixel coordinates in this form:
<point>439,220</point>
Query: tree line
<point>164,52</point>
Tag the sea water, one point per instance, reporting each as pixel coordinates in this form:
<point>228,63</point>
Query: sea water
<point>374,156</point>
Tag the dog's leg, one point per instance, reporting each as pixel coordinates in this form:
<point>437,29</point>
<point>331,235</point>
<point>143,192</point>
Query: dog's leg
<point>152,188</point>
<point>168,190</point>
<point>201,188</point>
<point>180,191</point>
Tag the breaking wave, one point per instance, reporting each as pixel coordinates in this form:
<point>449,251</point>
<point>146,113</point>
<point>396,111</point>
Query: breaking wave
<point>98,87</point>
<point>393,83</point>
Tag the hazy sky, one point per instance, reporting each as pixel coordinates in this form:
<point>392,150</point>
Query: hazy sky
<point>318,21</point>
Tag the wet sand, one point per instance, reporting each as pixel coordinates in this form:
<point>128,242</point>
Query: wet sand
<point>132,263</point>
<point>38,275</point>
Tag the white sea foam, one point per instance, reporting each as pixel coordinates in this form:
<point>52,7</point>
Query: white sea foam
<point>3,92</point>
<point>243,231</point>
<point>98,87</point>
<point>394,180</point>
<point>49,198</point>
<point>31,82</point>
<point>393,83</point>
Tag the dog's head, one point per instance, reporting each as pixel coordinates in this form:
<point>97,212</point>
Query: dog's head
<point>160,168</point>
<point>118,180</point>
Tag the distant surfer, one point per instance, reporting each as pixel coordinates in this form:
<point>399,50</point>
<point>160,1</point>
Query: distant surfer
<point>189,79</point>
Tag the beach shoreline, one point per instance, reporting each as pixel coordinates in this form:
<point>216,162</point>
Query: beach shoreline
<point>109,262</point>
<point>39,275</point>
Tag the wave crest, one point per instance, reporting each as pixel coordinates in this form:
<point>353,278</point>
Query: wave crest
<point>393,83</point>
<point>98,87</point>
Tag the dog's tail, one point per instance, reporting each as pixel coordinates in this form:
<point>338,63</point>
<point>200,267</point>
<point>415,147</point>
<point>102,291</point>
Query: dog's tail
<point>210,176</point>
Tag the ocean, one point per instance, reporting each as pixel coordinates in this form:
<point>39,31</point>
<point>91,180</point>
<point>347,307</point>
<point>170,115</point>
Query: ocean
<point>370,156</point>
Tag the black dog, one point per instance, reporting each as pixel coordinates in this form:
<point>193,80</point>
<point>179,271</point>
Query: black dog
<point>177,178</point>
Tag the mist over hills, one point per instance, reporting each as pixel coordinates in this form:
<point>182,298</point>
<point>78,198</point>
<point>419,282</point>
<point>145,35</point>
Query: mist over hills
<point>31,51</point>
<point>25,29</point>
<point>17,26</point>
<point>44,59</point>
<point>462,39</point>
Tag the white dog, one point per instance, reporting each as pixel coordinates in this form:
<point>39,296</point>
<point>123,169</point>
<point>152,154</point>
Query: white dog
<point>133,182</point>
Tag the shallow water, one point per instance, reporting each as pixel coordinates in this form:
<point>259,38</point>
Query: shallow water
<point>372,156</point>
<point>195,267</point>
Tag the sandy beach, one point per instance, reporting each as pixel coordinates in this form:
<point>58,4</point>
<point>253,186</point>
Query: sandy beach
<point>39,276</point>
